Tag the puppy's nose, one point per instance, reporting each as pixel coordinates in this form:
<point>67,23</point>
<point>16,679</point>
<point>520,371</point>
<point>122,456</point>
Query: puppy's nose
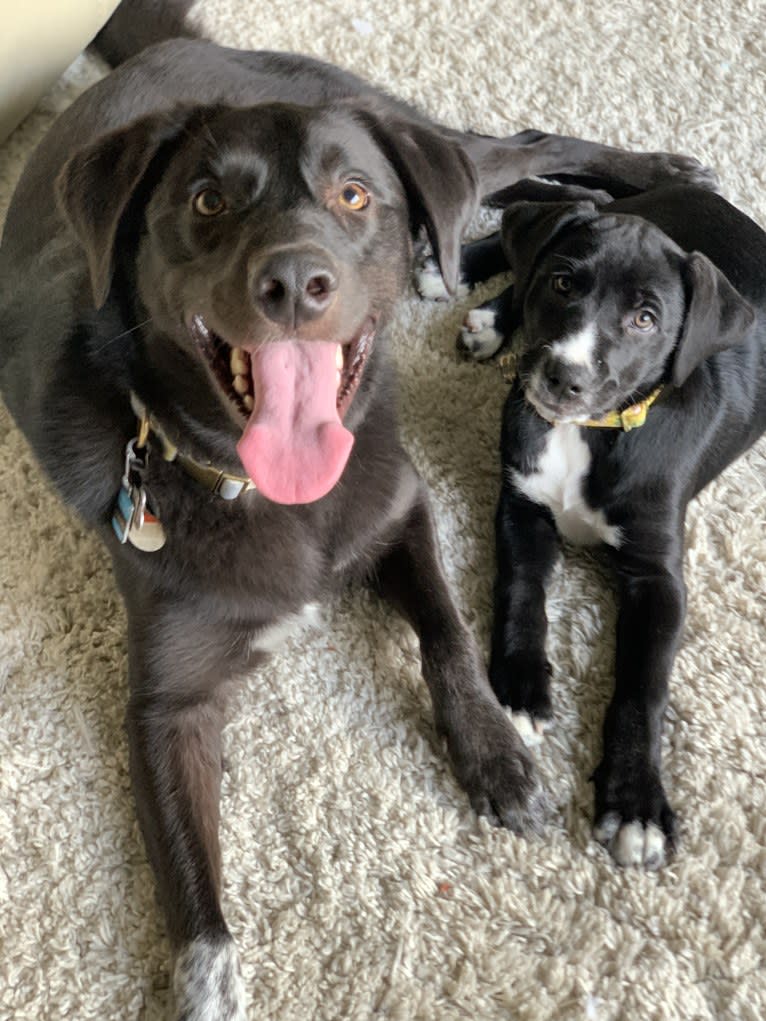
<point>564,379</point>
<point>294,287</point>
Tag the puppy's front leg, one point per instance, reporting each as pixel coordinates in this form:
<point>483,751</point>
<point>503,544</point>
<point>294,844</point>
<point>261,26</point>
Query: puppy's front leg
<point>633,817</point>
<point>487,755</point>
<point>527,548</point>
<point>174,721</point>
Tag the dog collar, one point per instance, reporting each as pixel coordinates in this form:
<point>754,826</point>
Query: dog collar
<point>631,418</point>
<point>222,483</point>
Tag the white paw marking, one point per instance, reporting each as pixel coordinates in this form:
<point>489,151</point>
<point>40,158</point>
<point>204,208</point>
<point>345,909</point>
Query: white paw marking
<point>478,336</point>
<point>632,843</point>
<point>429,282</point>
<point>578,348</point>
<point>557,483</point>
<point>531,733</point>
<point>606,827</point>
<point>207,982</point>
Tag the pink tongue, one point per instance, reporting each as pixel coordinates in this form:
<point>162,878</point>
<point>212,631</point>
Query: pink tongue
<point>294,447</point>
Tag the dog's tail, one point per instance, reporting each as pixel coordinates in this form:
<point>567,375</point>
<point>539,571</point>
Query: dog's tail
<point>137,24</point>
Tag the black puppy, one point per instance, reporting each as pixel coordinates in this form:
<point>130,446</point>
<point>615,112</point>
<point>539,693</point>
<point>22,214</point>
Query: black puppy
<point>194,303</point>
<point>641,373</point>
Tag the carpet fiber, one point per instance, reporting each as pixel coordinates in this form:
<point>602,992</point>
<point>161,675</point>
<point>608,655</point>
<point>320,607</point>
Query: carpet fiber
<point>359,885</point>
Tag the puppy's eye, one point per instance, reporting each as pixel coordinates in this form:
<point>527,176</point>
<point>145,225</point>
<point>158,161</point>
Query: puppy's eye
<point>209,202</point>
<point>643,319</point>
<point>354,196</point>
<point>561,283</point>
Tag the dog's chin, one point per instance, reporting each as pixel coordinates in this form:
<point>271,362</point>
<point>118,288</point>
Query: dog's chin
<point>229,366</point>
<point>558,412</point>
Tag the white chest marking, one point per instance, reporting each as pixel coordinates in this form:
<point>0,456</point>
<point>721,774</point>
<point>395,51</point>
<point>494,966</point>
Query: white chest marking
<point>558,485</point>
<point>270,638</point>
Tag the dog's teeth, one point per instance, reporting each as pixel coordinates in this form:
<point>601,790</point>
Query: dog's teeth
<point>241,384</point>
<point>238,362</point>
<point>248,402</point>
<point>338,357</point>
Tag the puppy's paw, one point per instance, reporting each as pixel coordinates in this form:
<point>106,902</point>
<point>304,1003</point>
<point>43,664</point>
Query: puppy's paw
<point>478,337</point>
<point>642,844</point>
<point>521,680</point>
<point>634,820</point>
<point>429,283</point>
<point>207,982</point>
<point>497,772</point>
<point>685,170</point>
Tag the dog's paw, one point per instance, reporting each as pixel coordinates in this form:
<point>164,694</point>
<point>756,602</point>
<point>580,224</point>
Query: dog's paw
<point>642,844</point>
<point>497,772</point>
<point>634,820</point>
<point>684,169</point>
<point>521,680</point>
<point>429,283</point>
<point>478,338</point>
<point>207,982</point>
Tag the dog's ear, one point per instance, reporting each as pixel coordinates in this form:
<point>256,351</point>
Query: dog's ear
<point>717,316</point>
<point>529,227</point>
<point>96,185</point>
<point>440,182</point>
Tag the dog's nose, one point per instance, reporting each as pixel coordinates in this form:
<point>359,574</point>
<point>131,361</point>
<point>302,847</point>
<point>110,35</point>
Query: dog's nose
<point>295,287</point>
<point>563,379</point>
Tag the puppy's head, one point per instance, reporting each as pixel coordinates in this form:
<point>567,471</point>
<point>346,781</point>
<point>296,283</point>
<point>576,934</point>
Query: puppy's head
<point>611,307</point>
<point>268,246</point>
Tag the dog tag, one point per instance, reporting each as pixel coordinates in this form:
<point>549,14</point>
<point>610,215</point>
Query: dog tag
<point>134,517</point>
<point>124,511</point>
<point>146,532</point>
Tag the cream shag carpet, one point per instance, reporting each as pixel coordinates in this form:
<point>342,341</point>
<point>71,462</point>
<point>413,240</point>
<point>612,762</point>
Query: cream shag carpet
<point>358,883</point>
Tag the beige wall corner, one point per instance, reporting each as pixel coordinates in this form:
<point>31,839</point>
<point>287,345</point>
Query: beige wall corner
<point>40,38</point>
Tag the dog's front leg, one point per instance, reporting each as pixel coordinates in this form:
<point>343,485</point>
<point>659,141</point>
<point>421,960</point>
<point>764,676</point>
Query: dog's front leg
<point>633,817</point>
<point>487,755</point>
<point>527,548</point>
<point>174,721</point>
<point>500,162</point>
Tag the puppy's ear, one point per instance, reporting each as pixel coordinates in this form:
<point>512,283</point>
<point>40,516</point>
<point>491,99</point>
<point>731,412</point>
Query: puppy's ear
<point>717,317</point>
<point>440,182</point>
<point>95,186</point>
<point>529,227</point>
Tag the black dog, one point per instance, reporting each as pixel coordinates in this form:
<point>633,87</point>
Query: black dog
<point>194,302</point>
<point>646,310</point>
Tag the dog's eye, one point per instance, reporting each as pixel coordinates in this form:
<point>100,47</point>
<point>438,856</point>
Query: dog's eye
<point>354,196</point>
<point>561,283</point>
<point>643,319</point>
<point>209,202</point>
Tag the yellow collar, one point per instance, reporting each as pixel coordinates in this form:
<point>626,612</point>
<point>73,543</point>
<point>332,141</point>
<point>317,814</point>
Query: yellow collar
<point>631,418</point>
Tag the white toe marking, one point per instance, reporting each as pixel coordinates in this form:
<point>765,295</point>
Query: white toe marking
<point>479,336</point>
<point>528,732</point>
<point>628,848</point>
<point>478,319</point>
<point>429,282</point>
<point>578,348</point>
<point>207,982</point>
<point>606,828</point>
<point>654,847</point>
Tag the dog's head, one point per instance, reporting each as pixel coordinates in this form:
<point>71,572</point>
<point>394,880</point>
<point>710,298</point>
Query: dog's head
<point>611,307</point>
<point>268,246</point>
